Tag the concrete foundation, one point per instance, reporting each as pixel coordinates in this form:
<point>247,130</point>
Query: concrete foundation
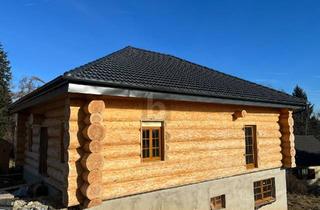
<point>238,191</point>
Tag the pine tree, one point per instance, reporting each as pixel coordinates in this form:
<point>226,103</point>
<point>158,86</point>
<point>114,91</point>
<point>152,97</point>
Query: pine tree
<point>5,94</point>
<point>302,119</point>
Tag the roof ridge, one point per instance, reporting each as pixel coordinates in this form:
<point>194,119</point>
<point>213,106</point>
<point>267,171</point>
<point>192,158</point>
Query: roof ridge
<point>218,71</point>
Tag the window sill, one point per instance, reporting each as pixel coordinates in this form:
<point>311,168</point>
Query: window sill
<point>264,202</point>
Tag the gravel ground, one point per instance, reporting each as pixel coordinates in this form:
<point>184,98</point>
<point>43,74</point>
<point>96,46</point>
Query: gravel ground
<point>301,202</point>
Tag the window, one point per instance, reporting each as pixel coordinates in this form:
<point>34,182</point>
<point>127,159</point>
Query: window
<point>264,192</point>
<point>218,202</point>
<point>152,141</point>
<point>251,146</point>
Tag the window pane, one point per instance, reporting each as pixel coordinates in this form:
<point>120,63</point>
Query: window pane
<point>146,153</point>
<point>145,143</point>
<point>155,133</point>
<point>155,152</point>
<point>248,131</point>
<point>155,143</point>
<point>145,134</point>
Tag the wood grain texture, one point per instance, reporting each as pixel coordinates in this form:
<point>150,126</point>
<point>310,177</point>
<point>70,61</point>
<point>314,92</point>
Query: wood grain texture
<point>288,151</point>
<point>202,142</point>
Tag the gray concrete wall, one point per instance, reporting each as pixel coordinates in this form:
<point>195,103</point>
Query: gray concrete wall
<point>237,189</point>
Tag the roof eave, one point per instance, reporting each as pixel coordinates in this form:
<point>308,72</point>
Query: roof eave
<point>64,85</point>
<point>51,89</point>
<point>138,93</point>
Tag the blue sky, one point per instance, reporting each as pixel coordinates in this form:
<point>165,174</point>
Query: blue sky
<point>271,42</point>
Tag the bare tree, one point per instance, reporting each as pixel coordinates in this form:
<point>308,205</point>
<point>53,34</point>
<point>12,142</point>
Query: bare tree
<point>27,85</point>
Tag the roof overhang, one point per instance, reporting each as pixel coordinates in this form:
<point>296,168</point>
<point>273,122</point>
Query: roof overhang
<point>126,92</point>
<point>60,86</point>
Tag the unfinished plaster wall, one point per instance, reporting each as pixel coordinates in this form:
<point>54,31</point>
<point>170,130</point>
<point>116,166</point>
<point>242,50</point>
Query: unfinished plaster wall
<point>237,189</point>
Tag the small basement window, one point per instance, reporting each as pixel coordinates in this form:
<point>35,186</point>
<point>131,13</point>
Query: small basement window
<point>218,202</point>
<point>264,192</point>
<point>152,141</point>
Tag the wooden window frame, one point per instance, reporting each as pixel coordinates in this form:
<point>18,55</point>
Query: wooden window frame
<point>254,146</point>
<point>161,142</point>
<point>218,202</point>
<point>261,186</point>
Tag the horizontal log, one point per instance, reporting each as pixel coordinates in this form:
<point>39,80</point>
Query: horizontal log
<point>93,118</point>
<point>92,161</point>
<point>270,158</point>
<point>266,150</point>
<point>287,130</point>
<point>74,154</point>
<point>59,185</point>
<point>117,137</point>
<point>32,155</point>
<point>92,176</point>
<point>269,141</point>
<point>74,182</point>
<point>221,154</point>
<point>56,174</point>
<point>94,106</point>
<point>56,163</point>
<point>56,113</point>
<point>92,146</point>
<point>94,132</point>
<point>73,169</point>
<point>211,125</point>
<point>54,153</point>
<point>131,125</point>
<point>204,145</point>
<point>56,104</point>
<point>52,122</point>
<point>73,197</point>
<point>74,140</point>
<point>288,145</point>
<point>162,182</point>
<point>54,131</point>
<point>289,152</point>
<point>287,137</point>
<point>30,169</point>
<point>288,162</point>
<point>34,164</point>
<point>75,126</point>
<point>146,171</point>
<point>91,191</point>
<point>111,151</point>
<point>123,162</point>
<point>286,122</point>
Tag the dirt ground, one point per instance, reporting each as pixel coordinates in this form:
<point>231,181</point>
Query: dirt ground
<point>301,202</point>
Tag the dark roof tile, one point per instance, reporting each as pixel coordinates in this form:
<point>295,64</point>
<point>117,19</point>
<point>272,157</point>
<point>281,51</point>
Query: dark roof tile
<point>137,68</point>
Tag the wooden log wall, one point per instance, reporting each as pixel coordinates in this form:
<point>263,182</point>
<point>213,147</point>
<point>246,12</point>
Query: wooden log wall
<point>52,116</point>
<point>92,159</point>
<point>202,142</point>
<point>287,139</point>
<point>19,137</point>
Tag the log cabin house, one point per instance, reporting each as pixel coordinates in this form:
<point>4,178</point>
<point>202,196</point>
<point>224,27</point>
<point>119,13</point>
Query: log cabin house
<point>143,130</point>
